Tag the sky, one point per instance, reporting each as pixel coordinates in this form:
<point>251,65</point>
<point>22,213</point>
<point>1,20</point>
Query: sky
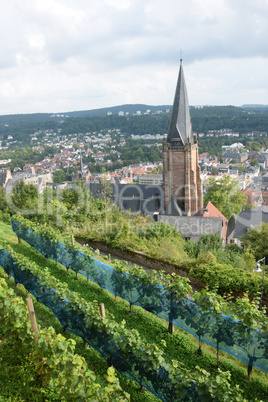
<point>69,55</point>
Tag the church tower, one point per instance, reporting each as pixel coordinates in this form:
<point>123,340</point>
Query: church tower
<point>182,183</point>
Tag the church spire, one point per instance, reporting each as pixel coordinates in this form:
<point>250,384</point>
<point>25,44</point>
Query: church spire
<point>182,183</point>
<point>180,126</point>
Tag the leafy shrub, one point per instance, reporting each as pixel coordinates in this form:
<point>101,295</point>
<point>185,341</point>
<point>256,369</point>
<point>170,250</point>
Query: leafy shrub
<point>168,250</point>
<point>5,217</point>
<point>226,278</point>
<point>192,248</point>
<point>206,258</point>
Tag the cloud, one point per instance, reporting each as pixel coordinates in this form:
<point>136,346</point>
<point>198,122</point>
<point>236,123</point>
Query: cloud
<point>86,54</point>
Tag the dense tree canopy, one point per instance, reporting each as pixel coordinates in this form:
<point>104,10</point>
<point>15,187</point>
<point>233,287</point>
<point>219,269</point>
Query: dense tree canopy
<point>226,195</point>
<point>25,196</point>
<point>3,200</point>
<point>59,176</point>
<point>257,240</point>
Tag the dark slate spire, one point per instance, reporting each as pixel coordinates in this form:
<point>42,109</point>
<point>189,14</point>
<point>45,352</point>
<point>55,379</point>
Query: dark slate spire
<point>180,126</point>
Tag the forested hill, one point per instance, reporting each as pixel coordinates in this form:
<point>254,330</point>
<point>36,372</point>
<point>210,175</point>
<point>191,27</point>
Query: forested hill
<point>129,108</point>
<point>240,119</point>
<point>42,117</point>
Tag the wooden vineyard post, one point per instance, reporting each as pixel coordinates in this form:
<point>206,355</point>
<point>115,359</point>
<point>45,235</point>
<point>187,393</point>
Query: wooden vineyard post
<point>72,240</point>
<point>32,318</point>
<point>19,240</point>
<point>171,327</point>
<point>103,315</point>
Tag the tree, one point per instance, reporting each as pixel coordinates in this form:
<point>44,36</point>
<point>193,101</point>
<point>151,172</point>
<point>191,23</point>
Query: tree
<point>249,259</point>
<point>70,198</point>
<point>107,192</point>
<point>255,147</point>
<point>59,176</point>
<point>256,240</point>
<point>25,195</point>
<point>210,242</point>
<point>254,162</point>
<point>249,206</point>
<point>3,200</point>
<point>5,211</point>
<point>225,194</point>
<point>214,170</point>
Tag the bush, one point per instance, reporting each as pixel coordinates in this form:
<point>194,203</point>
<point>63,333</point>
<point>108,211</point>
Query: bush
<point>169,250</point>
<point>192,248</point>
<point>206,258</point>
<point>226,278</point>
<point>5,217</point>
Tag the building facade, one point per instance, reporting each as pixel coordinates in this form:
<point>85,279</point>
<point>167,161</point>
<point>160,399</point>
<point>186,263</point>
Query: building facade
<point>151,179</point>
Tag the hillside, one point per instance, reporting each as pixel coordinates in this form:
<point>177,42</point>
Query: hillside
<point>128,108</point>
<point>179,346</point>
<point>156,121</point>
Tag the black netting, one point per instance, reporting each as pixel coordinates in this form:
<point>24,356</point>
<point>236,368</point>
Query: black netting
<point>220,332</point>
<point>129,365</point>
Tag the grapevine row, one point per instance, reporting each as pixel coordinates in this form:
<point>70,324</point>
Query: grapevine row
<point>122,348</point>
<point>53,355</point>
<point>164,295</point>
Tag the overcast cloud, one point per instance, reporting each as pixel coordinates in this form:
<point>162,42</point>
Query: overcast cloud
<point>66,55</point>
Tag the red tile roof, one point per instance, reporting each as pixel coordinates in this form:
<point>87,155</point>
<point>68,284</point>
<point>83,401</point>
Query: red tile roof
<point>253,196</point>
<point>209,210</point>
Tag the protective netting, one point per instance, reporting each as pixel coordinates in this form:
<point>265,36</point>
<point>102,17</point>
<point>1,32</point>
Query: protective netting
<point>222,333</point>
<point>75,321</point>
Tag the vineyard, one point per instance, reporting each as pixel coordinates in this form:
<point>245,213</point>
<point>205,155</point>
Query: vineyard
<point>159,360</point>
<point>160,294</point>
<point>53,356</point>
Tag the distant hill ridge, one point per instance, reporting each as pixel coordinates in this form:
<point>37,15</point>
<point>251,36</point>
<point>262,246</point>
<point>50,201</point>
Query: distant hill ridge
<point>257,107</point>
<point>134,108</point>
<point>128,108</point>
<point>248,117</point>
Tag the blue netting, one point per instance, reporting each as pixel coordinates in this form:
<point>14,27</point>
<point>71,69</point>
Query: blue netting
<point>76,322</point>
<point>222,333</point>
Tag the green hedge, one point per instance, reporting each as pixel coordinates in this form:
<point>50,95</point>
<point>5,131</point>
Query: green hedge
<point>226,278</point>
